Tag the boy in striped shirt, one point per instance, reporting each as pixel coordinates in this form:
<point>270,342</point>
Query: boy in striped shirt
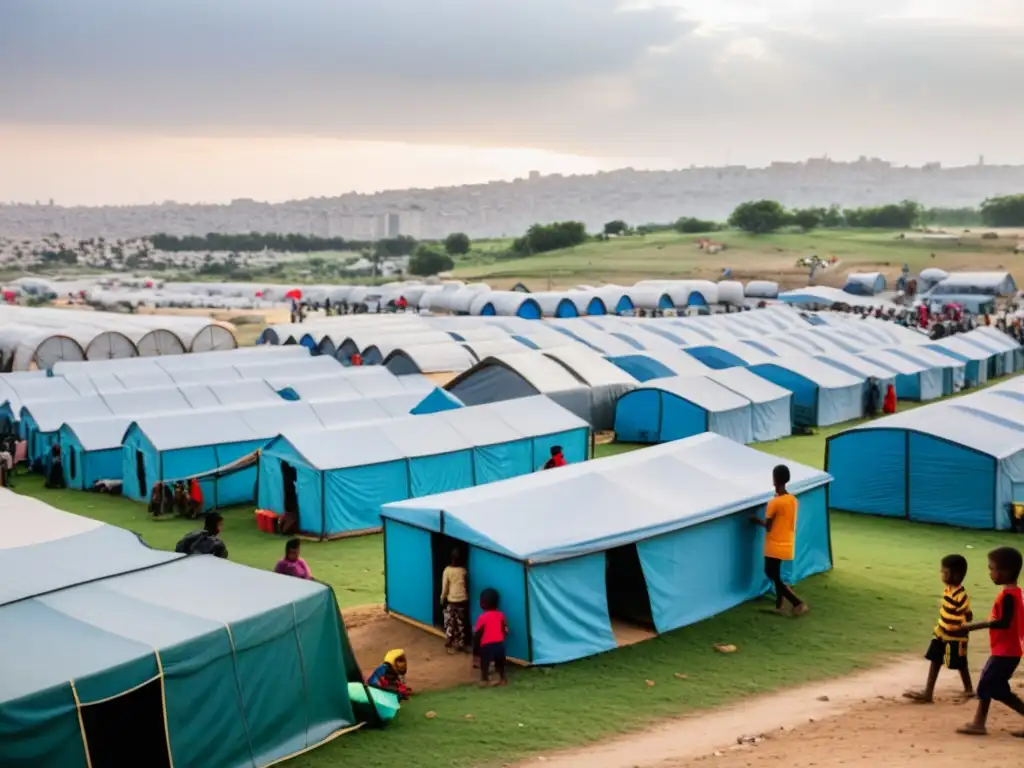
<point>949,641</point>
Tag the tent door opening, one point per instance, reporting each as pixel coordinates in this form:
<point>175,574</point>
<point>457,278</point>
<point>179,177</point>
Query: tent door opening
<point>140,474</point>
<point>441,547</point>
<point>629,605</point>
<point>291,497</point>
<point>136,718</point>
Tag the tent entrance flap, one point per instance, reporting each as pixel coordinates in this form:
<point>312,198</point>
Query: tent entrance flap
<point>291,496</point>
<point>140,474</point>
<point>441,549</point>
<point>629,603</point>
<point>128,729</point>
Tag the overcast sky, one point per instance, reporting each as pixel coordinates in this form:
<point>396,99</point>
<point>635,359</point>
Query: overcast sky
<point>140,100</point>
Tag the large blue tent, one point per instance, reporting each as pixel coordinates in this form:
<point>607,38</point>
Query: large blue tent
<point>771,406</point>
<point>579,551</point>
<point>113,658</point>
<point>336,480</point>
<point>914,380</point>
<point>671,409</point>
<point>959,463</point>
<point>822,395</point>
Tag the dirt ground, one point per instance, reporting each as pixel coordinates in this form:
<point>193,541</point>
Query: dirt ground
<point>372,633</point>
<point>855,722</point>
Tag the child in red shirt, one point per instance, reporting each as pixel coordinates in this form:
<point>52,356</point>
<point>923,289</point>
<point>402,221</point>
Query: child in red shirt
<point>489,637</point>
<point>1005,633</point>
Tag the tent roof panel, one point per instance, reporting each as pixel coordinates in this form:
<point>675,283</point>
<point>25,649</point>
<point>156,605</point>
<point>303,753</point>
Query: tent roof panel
<point>600,504</point>
<point>749,385</point>
<point>699,390</point>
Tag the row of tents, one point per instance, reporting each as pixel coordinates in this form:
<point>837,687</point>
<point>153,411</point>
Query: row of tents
<point>39,338</point>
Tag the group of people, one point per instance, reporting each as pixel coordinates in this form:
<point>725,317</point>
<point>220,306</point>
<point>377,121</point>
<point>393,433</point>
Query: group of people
<point>1005,627</point>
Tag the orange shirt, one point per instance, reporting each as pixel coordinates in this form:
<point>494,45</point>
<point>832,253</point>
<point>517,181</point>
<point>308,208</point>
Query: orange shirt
<point>780,541</point>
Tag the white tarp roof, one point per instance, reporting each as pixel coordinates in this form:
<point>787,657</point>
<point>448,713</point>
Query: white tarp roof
<point>701,391</point>
<point>597,505</point>
<point>749,385</point>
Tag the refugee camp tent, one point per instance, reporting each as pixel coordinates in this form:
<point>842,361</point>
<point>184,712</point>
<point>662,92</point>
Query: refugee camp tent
<point>336,480</point>
<point>429,358</point>
<point>168,447</point>
<point>976,283</point>
<point>1004,357</point>
<point>1002,341</point>
<point>577,552</point>
<point>914,380</point>
<point>874,375</point>
<point>91,450</point>
<point>118,662</point>
<point>607,382</point>
<point>42,421</point>
<point>958,463</point>
<point>979,364</point>
<point>678,407</point>
<point>822,395</point>
<point>953,371</point>
<point>865,283</point>
<point>727,354</point>
<point>525,374</point>
<point>771,406</point>
<point>17,392</point>
<point>508,303</point>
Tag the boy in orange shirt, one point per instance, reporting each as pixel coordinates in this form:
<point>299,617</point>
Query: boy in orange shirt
<point>780,539</point>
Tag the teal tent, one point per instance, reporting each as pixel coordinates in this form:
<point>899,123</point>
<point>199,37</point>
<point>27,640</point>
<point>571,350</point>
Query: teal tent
<point>130,656</point>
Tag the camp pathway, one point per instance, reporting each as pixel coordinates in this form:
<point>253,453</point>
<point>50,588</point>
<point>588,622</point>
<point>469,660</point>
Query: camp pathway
<point>803,729</point>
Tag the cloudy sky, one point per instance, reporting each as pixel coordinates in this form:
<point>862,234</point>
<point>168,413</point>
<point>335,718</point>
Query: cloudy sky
<point>121,101</point>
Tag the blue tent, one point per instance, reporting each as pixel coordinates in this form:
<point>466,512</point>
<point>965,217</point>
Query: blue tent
<point>728,354</point>
<point>953,371</point>
<point>959,463</point>
<point>165,448</point>
<point>336,480</point>
<point>864,283</point>
<point>118,659</point>
<point>822,395</point>
<point>671,409</point>
<point>874,375</point>
<point>91,450</point>
<point>979,364</point>
<point>771,406</point>
<point>1001,340</point>
<point>576,552</point>
<point>41,422</point>
<point>914,380</point>
<point>1004,355</point>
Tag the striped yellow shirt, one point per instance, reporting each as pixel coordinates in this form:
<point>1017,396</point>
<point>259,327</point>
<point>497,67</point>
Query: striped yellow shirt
<point>953,611</point>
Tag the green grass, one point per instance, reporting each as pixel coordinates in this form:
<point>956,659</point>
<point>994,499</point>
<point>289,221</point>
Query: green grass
<point>877,603</point>
<point>671,255</point>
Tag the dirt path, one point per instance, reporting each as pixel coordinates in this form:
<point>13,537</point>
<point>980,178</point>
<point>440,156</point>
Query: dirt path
<point>803,729</point>
<point>372,633</point>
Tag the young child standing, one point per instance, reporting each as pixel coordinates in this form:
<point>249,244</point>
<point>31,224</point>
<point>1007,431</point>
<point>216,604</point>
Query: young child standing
<point>455,604</point>
<point>489,637</point>
<point>780,539</point>
<point>1005,630</point>
<point>949,641</point>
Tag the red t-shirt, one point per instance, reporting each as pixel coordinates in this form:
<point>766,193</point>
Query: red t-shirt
<point>1007,642</point>
<point>492,623</point>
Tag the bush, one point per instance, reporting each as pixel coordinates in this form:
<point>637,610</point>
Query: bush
<point>759,218</point>
<point>541,238</point>
<point>808,218</point>
<point>427,261</point>
<point>1005,211</point>
<point>691,226</point>
<point>893,216</point>
<point>457,244</point>
<point>617,227</point>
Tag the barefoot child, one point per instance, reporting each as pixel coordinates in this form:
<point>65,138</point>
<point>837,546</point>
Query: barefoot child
<point>490,633</point>
<point>949,642</point>
<point>1005,630</point>
<point>780,539</point>
<point>455,604</point>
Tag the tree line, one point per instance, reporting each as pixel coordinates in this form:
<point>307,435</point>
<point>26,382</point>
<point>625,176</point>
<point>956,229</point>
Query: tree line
<point>252,242</point>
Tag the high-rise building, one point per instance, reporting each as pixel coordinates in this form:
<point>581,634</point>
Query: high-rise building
<point>394,225</point>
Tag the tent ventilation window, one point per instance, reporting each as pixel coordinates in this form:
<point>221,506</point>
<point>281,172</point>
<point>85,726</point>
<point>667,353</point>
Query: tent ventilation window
<point>628,601</point>
<point>128,729</point>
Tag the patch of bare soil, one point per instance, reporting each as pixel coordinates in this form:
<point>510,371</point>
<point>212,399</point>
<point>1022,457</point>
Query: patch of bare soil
<point>857,721</point>
<point>372,633</point>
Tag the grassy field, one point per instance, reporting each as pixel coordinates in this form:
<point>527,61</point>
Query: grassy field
<point>878,602</point>
<point>771,257</point>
